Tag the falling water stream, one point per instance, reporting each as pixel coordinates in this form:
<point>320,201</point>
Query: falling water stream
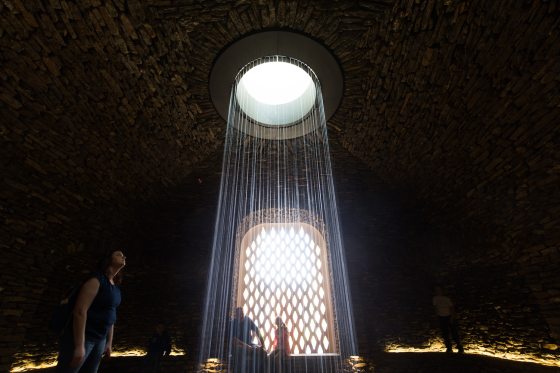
<point>277,248</point>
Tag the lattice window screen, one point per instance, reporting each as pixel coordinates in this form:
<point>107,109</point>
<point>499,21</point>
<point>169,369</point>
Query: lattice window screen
<point>284,272</point>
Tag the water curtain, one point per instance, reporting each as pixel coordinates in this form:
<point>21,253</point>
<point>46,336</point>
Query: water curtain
<point>277,249</point>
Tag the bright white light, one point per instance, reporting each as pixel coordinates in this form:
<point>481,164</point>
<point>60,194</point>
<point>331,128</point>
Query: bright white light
<point>276,93</point>
<point>284,279</point>
<point>276,83</point>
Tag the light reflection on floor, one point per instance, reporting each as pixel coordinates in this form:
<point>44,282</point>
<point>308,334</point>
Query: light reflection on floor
<point>212,365</point>
<point>356,363</point>
<point>546,359</point>
<point>50,361</point>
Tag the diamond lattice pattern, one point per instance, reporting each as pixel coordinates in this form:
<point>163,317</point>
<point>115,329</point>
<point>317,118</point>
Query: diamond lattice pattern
<point>283,275</point>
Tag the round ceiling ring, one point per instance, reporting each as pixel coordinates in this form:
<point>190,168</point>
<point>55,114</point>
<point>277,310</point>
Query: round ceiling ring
<point>252,47</point>
<point>276,91</point>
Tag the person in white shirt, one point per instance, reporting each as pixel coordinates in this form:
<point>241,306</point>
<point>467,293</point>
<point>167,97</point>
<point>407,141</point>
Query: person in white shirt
<point>445,312</point>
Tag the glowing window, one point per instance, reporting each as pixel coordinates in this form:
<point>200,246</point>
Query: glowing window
<point>276,93</point>
<point>283,271</point>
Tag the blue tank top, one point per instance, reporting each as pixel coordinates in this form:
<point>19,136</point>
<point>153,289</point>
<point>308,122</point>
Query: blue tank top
<point>102,313</point>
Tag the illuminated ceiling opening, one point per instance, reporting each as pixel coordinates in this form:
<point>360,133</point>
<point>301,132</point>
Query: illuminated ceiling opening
<point>276,93</point>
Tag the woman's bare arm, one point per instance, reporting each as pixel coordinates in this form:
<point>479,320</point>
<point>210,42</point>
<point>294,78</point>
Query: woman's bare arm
<point>87,293</point>
<point>109,343</point>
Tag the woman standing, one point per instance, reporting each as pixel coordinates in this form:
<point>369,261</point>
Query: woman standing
<point>280,348</point>
<point>93,318</point>
<point>281,344</point>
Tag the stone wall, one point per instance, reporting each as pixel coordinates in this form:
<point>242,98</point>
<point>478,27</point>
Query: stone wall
<point>92,112</point>
<point>396,255</point>
<point>458,100</point>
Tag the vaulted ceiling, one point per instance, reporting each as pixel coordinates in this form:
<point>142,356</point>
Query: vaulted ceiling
<point>105,102</point>
<point>451,97</point>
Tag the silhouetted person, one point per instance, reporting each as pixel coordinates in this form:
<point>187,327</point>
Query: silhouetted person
<point>445,312</point>
<point>247,357</point>
<point>158,347</point>
<point>280,347</point>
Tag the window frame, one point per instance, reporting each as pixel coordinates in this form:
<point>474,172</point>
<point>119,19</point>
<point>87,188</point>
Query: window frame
<point>248,238</point>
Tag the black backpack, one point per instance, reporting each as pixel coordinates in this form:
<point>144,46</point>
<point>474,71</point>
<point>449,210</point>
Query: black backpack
<point>62,314</point>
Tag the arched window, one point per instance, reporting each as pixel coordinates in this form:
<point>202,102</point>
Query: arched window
<point>284,271</point>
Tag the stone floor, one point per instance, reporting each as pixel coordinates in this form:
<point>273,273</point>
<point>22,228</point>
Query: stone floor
<point>443,363</point>
<point>381,363</point>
